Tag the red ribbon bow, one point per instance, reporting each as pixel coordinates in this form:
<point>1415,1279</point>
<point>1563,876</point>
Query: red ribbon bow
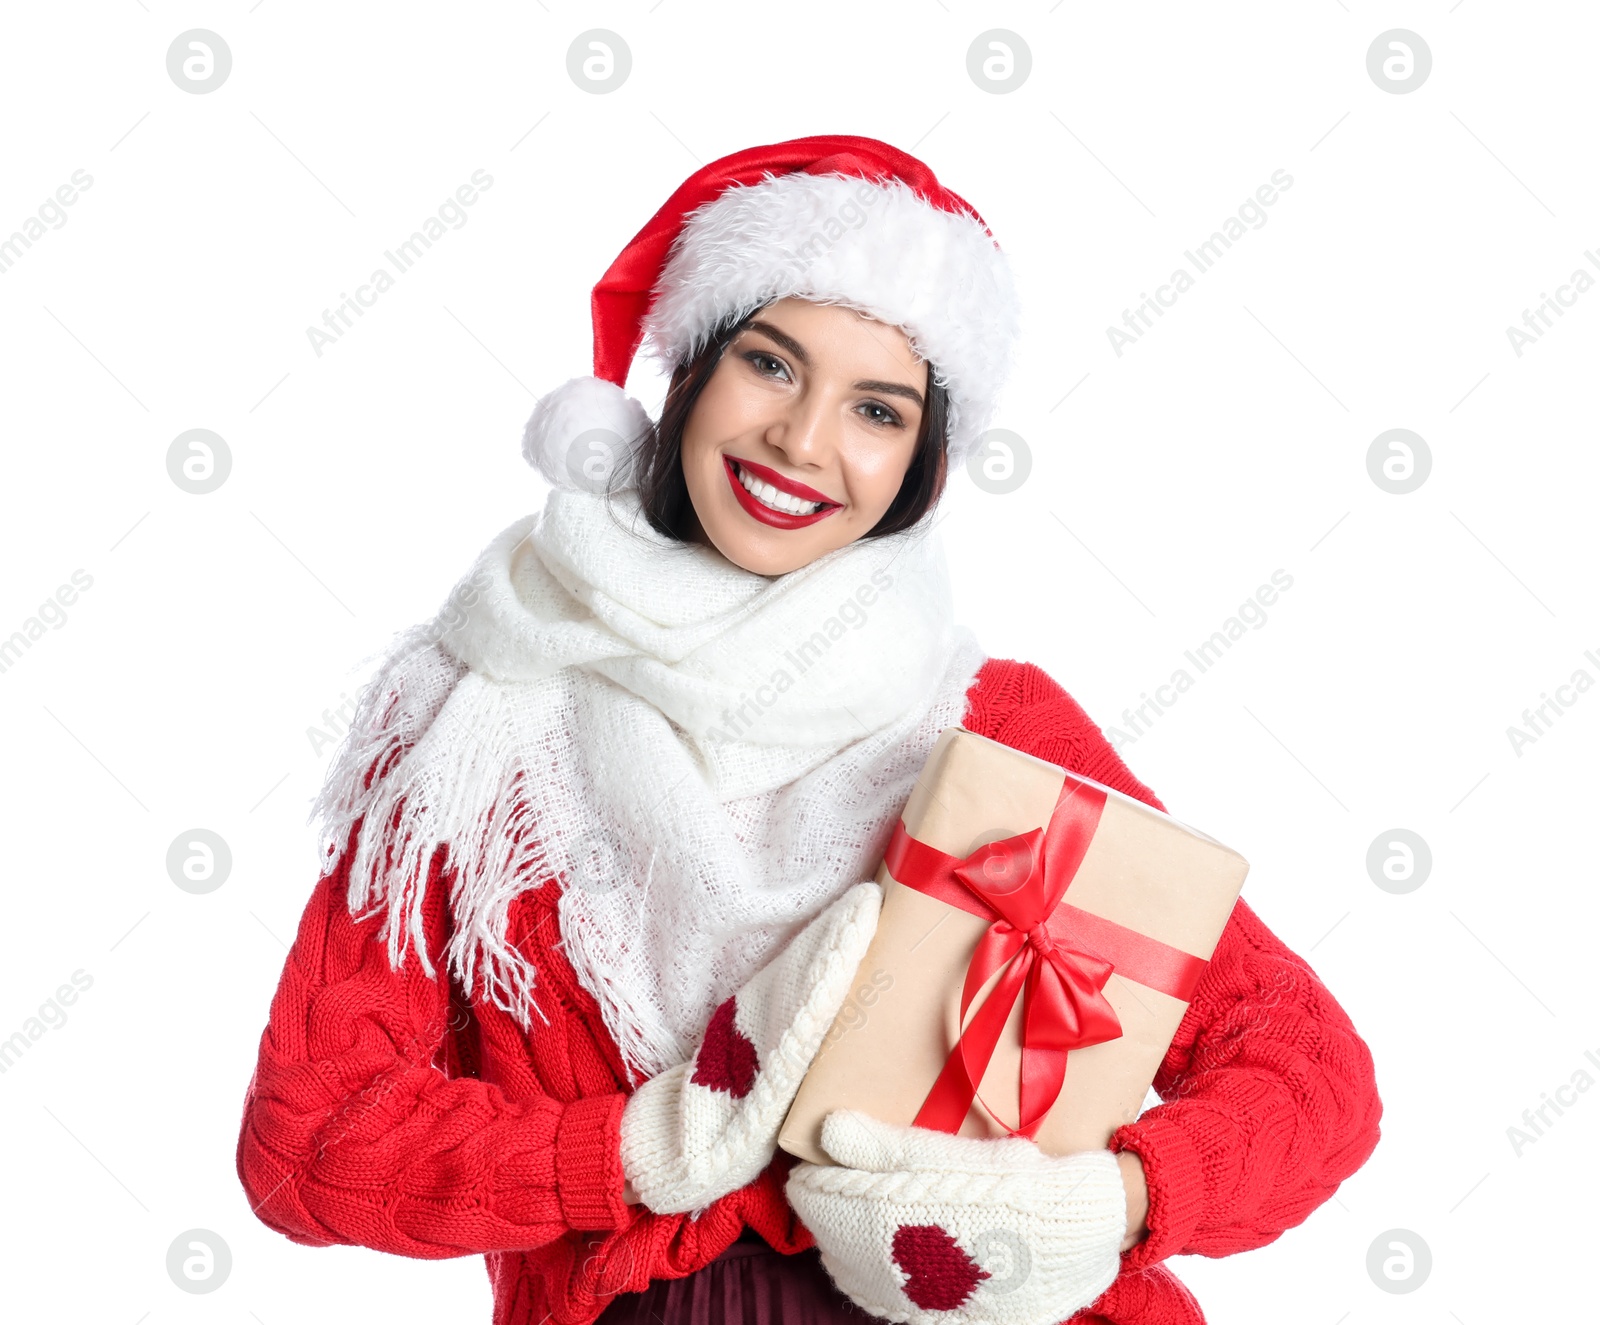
<point>1056,956</point>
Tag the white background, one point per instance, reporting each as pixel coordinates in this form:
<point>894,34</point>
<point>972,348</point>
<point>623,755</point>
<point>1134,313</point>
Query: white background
<point>1167,484</point>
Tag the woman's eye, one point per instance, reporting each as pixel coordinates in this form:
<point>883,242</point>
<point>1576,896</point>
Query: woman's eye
<point>768,365</point>
<point>879,413</point>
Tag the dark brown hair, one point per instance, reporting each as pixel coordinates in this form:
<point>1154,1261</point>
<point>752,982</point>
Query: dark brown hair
<point>664,494</point>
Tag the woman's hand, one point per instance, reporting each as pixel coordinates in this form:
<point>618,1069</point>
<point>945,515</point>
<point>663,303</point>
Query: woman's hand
<point>707,1127</point>
<point>927,1228</point>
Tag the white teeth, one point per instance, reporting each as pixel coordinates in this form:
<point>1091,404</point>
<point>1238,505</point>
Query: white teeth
<point>768,495</point>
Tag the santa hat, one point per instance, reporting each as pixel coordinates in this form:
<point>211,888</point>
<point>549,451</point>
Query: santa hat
<point>835,219</point>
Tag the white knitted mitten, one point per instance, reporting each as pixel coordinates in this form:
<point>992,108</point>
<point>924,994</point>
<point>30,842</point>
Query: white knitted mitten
<point>709,1126</point>
<point>920,1226</point>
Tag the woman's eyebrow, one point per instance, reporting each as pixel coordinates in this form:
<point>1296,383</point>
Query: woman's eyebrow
<point>892,389</point>
<point>784,339</point>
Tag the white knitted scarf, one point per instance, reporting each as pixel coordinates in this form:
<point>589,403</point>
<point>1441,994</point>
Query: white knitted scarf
<point>701,756</point>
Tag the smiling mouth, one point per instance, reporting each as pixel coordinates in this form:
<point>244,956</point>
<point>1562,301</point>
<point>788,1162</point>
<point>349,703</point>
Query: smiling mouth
<point>773,499</point>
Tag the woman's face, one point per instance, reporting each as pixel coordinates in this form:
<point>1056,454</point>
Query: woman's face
<point>815,407</point>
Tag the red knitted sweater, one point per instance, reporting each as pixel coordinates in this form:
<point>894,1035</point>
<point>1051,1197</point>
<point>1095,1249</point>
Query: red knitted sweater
<point>389,1112</point>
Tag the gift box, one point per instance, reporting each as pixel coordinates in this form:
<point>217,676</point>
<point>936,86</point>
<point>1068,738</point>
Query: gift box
<point>1040,938</point>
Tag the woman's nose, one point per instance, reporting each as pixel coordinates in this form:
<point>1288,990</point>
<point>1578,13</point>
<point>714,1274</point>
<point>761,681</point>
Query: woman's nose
<point>805,432</point>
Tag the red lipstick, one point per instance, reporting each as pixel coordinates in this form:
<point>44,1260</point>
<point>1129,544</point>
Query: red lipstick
<point>766,514</point>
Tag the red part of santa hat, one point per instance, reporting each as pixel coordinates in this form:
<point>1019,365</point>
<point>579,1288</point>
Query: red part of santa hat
<point>834,218</point>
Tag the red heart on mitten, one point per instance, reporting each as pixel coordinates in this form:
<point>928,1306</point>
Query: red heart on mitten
<point>939,1275</point>
<point>727,1060</point>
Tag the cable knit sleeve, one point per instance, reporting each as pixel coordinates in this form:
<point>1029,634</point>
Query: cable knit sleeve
<point>354,1133</point>
<point>1269,1096</point>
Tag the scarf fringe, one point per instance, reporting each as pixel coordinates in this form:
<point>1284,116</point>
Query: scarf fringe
<point>482,821</point>
<point>636,1027</point>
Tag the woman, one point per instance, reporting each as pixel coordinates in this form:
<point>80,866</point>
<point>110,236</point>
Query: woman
<point>597,839</point>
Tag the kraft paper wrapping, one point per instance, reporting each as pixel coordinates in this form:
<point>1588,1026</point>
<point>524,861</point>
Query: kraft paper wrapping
<point>1143,869</point>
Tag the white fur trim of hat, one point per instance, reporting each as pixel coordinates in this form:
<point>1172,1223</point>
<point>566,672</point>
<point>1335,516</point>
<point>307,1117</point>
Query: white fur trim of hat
<point>873,246</point>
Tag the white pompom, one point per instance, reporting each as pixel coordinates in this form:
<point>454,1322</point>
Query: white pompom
<point>584,435</point>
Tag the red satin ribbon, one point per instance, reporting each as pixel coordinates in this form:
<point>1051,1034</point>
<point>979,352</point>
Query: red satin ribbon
<point>1055,955</point>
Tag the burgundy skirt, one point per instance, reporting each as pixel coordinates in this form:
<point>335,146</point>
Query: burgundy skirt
<point>749,1284</point>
